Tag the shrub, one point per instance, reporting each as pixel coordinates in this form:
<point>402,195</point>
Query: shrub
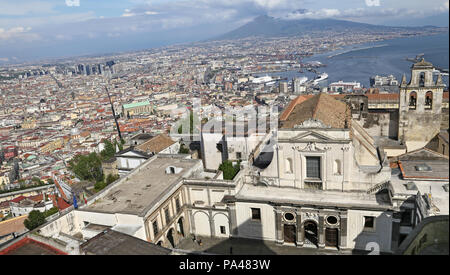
<point>35,219</point>
<point>229,171</point>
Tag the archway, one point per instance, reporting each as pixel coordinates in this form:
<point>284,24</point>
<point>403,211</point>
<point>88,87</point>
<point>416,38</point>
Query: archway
<point>310,233</point>
<point>170,237</point>
<point>181,226</point>
<point>202,224</point>
<point>429,100</point>
<point>160,243</point>
<point>412,100</point>
<point>289,233</point>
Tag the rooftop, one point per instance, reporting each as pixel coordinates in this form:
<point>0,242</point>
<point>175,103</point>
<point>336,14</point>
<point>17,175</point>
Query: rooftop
<point>142,188</point>
<point>156,144</point>
<point>323,107</point>
<point>423,164</point>
<point>313,197</point>
<point>136,104</point>
<point>28,246</point>
<point>422,64</point>
<point>440,197</point>
<point>12,225</point>
<point>111,242</point>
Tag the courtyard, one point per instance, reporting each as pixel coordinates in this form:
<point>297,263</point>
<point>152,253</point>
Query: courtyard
<point>240,246</point>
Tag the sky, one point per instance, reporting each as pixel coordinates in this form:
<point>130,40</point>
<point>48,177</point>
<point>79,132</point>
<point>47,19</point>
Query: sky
<point>36,29</point>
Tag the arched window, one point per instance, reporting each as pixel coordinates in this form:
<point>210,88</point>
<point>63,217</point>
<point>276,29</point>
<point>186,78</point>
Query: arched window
<point>412,100</point>
<point>422,79</point>
<point>429,100</point>
<point>288,164</point>
<point>337,167</point>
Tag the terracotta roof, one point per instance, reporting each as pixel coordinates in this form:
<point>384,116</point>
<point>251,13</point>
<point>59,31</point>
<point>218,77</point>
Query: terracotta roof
<point>292,105</point>
<point>4,204</point>
<point>18,199</point>
<point>382,96</point>
<point>37,198</point>
<point>323,107</point>
<point>12,225</point>
<point>156,144</point>
<point>28,246</point>
<point>59,202</point>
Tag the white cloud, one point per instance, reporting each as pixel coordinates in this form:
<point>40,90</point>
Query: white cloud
<point>18,33</point>
<point>372,3</point>
<point>25,7</point>
<point>128,13</point>
<point>73,3</point>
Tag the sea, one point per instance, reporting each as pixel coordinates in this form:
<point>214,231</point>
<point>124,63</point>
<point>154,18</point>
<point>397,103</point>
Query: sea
<point>362,61</point>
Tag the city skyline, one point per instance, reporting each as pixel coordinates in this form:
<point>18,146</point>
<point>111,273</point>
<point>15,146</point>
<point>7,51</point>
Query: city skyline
<point>32,30</point>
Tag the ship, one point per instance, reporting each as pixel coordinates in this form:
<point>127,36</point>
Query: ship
<point>302,80</point>
<point>262,79</point>
<point>320,78</point>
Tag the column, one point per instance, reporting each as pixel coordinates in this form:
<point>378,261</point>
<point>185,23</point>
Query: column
<point>343,232</point>
<point>321,232</point>
<point>191,222</point>
<point>211,224</point>
<point>395,231</point>
<point>233,220</point>
<point>278,227</point>
<point>300,232</point>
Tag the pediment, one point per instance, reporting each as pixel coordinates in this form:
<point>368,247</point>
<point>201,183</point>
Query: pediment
<point>312,136</point>
<point>131,154</point>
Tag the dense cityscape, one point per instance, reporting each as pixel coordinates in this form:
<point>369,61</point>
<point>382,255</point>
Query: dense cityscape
<point>87,149</point>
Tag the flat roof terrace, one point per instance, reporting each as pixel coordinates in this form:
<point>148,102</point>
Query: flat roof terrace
<point>144,186</point>
<point>314,197</point>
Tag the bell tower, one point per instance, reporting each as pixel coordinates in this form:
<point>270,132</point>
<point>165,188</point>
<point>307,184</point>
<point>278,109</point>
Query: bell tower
<point>420,106</point>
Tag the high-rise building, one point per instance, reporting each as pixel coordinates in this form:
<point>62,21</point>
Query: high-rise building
<point>283,87</point>
<point>88,70</point>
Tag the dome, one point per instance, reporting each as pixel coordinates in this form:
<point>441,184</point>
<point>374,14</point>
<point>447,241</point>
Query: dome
<point>74,131</point>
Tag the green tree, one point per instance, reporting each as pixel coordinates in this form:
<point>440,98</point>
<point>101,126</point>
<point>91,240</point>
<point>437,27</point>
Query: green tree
<point>183,150</point>
<point>109,151</point>
<point>87,167</point>
<point>229,171</point>
<point>111,178</point>
<point>35,219</point>
<point>192,120</point>
<point>99,186</point>
<point>50,212</point>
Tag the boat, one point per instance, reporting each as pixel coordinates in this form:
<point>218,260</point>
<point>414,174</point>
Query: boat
<point>321,77</point>
<point>262,79</point>
<point>301,80</point>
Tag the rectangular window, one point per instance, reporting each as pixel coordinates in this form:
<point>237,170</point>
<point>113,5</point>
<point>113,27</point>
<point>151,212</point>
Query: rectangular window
<point>239,155</point>
<point>313,167</point>
<point>256,214</point>
<point>155,227</point>
<point>177,204</point>
<point>222,230</point>
<point>166,211</point>
<point>369,223</point>
<point>406,218</point>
